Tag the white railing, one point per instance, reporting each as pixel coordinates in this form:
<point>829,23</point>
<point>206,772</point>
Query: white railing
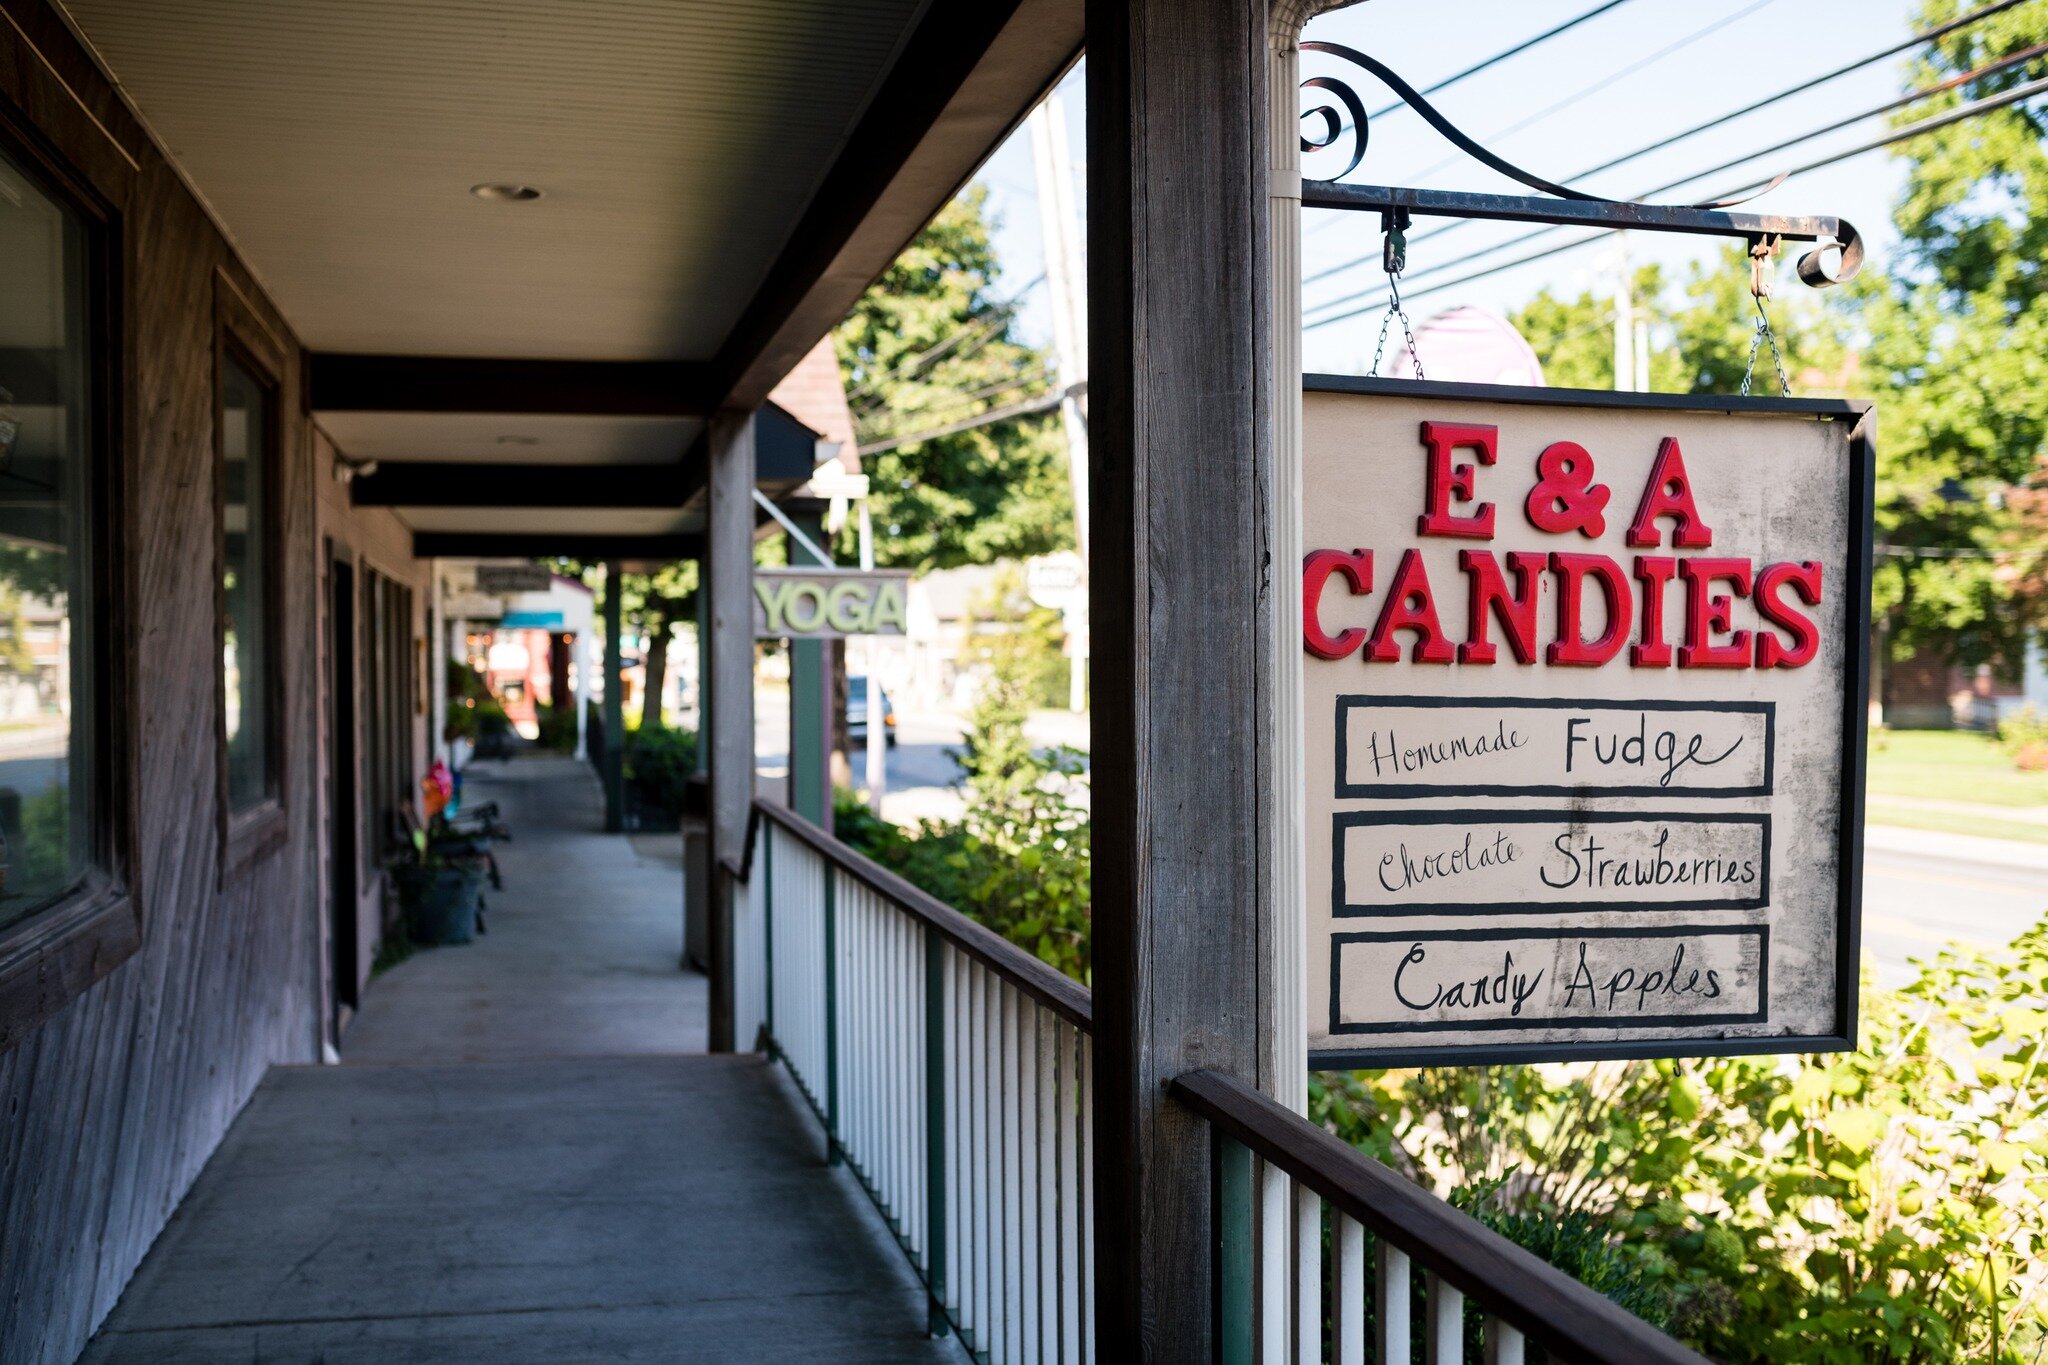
<point>950,1070</point>
<point>1374,1267</point>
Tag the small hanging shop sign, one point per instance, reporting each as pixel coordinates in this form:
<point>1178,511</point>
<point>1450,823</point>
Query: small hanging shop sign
<point>1585,686</point>
<point>816,604</point>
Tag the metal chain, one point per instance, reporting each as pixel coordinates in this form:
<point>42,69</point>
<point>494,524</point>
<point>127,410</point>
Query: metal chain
<point>1396,260</point>
<point>1761,249</point>
<point>1762,336</point>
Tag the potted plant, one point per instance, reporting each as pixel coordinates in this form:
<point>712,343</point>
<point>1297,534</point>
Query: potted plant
<point>438,888</point>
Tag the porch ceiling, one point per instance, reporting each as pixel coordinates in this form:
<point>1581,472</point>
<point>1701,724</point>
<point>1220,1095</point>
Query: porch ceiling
<point>675,141</point>
<point>720,181</point>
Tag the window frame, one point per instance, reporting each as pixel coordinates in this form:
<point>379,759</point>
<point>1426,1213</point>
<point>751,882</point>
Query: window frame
<point>52,954</point>
<point>240,337</point>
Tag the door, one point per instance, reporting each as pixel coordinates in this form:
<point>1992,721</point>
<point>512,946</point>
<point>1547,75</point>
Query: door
<point>343,860</point>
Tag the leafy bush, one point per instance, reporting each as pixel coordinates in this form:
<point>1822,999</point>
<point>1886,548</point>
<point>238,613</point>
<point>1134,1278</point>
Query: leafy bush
<point>2024,737</point>
<point>557,728</point>
<point>1018,859</point>
<point>1886,1204</point>
<point>659,763</point>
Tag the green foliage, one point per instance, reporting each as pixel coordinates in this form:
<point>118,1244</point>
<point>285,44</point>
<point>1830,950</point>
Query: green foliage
<point>1886,1204</point>
<point>1957,347</point>
<point>659,763</point>
<point>557,728</point>
<point>45,841</point>
<point>927,346</point>
<point>1018,860</point>
<point>1952,340</point>
<point>2023,736</point>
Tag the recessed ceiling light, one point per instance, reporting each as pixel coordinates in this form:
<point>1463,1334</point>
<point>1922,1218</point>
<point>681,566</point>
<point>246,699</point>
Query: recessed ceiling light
<point>505,193</point>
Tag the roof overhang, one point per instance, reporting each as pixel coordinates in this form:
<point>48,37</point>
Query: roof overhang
<point>719,192</point>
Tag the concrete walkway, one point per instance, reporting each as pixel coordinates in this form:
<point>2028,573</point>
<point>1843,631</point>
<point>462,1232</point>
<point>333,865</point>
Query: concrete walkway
<point>582,950</point>
<point>557,1206</point>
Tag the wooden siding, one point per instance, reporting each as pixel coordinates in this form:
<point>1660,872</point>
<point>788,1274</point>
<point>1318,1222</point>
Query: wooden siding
<point>370,538</point>
<point>109,1108</point>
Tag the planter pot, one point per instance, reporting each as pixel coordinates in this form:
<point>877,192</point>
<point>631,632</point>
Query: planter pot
<point>440,902</point>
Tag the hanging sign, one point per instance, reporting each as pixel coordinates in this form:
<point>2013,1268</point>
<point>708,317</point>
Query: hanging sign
<point>1584,681</point>
<point>816,604</point>
<point>511,578</point>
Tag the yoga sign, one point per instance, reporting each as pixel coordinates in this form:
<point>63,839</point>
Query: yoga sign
<point>1584,689</point>
<point>813,604</point>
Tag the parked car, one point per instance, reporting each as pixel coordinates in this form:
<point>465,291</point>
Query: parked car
<point>857,712</point>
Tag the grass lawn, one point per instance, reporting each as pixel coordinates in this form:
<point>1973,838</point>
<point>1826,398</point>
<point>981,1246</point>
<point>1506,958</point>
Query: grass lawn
<point>1950,765</point>
<point>1882,812</point>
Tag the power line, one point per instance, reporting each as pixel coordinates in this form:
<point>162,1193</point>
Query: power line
<point>1027,408</point>
<point>980,331</point>
<point>1925,36</point>
<point>964,401</point>
<point>2010,60</point>
<point>1595,87</point>
<point>1497,58</point>
<point>1910,131</point>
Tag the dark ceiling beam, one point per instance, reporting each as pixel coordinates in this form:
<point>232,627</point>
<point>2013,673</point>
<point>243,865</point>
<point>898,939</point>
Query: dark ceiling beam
<point>547,544</point>
<point>577,388</point>
<point>966,77</point>
<point>429,484</point>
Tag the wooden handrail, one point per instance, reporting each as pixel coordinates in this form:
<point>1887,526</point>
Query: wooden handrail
<point>1043,983</point>
<point>1537,1299</point>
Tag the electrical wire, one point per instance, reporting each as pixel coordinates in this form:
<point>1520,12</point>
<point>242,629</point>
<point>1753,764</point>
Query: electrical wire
<point>1597,86</point>
<point>981,330</point>
<point>1927,125</point>
<point>1914,40</point>
<point>2019,58</point>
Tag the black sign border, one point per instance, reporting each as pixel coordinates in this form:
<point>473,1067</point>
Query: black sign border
<point>1348,819</point>
<point>1861,418</point>
<point>1353,791</point>
<point>1757,1016</point>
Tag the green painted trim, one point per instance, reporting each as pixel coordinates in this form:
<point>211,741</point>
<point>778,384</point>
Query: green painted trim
<point>1233,1250</point>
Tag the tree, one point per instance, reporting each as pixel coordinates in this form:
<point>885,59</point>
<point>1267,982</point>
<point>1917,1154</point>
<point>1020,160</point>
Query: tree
<point>1956,345</point>
<point>653,604</point>
<point>931,344</point>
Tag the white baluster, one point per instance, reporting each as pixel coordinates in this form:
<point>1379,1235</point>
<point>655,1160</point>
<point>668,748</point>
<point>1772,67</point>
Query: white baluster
<point>1446,1322</point>
<point>1392,1303</point>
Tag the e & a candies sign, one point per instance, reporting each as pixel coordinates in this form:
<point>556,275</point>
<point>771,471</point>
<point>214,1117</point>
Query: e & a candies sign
<point>1584,687</point>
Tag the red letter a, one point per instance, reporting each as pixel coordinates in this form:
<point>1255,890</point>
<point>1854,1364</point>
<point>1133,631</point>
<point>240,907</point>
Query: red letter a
<point>1669,493</point>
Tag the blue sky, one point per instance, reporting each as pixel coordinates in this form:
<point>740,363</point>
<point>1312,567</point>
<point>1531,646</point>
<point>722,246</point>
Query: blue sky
<point>1777,44</point>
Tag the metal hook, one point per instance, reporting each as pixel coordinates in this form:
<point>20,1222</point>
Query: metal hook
<point>1762,248</point>
<point>1394,223</point>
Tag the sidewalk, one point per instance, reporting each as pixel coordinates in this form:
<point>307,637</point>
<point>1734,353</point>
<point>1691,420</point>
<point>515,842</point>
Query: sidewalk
<point>581,958</point>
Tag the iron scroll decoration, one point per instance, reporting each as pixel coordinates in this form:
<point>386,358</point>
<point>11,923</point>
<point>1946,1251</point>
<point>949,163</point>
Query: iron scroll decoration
<point>1565,206</point>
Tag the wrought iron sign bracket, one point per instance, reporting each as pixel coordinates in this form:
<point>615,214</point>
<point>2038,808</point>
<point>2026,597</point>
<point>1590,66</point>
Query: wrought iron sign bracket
<point>1558,204</point>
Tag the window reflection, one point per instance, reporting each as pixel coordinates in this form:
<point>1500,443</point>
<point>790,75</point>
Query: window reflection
<point>45,435</point>
<point>246,444</point>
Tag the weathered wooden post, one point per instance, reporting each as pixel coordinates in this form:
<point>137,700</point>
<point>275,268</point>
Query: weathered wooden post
<point>728,702</point>
<point>1181,592</point>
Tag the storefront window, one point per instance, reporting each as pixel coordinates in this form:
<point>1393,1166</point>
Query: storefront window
<point>46,435</point>
<point>247,445</point>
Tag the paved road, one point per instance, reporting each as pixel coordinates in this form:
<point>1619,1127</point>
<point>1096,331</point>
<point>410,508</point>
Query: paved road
<point>1921,890</point>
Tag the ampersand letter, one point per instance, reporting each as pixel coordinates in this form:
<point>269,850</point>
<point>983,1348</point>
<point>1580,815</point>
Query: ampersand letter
<point>1565,497</point>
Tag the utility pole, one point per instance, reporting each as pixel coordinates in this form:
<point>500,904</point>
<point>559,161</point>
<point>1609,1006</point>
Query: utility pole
<point>1624,319</point>
<point>878,730</point>
<point>1060,226</point>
